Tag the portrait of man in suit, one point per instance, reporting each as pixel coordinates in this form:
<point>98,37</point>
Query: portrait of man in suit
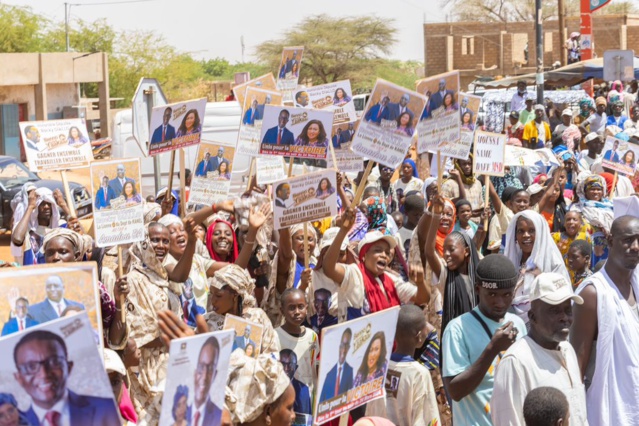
<point>260,108</point>
<point>613,154</point>
<point>164,132</point>
<point>302,404</point>
<point>339,378</point>
<point>219,159</point>
<point>321,319</point>
<point>54,305</point>
<point>301,99</point>
<point>204,412</point>
<point>291,62</point>
<point>204,166</point>
<point>250,114</point>
<point>347,135</point>
<point>397,109</point>
<point>32,139</point>
<point>118,182</point>
<point>463,108</point>
<point>280,135</point>
<point>104,195</point>
<point>244,340</point>
<point>437,98</point>
<point>379,111</point>
<point>337,139</point>
<point>190,308</point>
<point>282,193</point>
<point>22,320</point>
<point>41,359</point>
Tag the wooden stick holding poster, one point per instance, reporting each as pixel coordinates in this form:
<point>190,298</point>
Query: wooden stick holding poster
<point>67,193</point>
<point>169,187</point>
<point>182,183</point>
<point>440,172</point>
<point>614,183</point>
<point>122,297</point>
<point>250,176</point>
<point>486,197</point>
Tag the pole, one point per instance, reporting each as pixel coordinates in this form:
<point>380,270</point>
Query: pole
<point>122,297</point>
<point>539,28</point>
<point>562,31</point>
<point>587,41</point>
<point>66,25</point>
<point>157,165</point>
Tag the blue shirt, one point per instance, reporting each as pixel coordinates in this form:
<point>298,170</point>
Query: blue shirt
<point>464,341</point>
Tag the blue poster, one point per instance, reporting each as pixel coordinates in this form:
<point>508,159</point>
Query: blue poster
<point>596,4</point>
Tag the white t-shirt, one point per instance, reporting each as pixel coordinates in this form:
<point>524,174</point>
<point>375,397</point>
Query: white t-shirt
<point>597,122</point>
<point>527,366</point>
<point>307,349</point>
<point>414,184</point>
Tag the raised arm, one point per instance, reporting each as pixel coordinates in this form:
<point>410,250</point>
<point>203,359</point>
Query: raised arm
<point>429,247</point>
<point>423,289</point>
<point>331,267</point>
<point>342,194</point>
<point>20,231</point>
<point>202,214</point>
<point>181,271</point>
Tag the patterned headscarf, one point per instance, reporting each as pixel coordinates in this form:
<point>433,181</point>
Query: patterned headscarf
<point>151,210</point>
<point>237,279</point>
<point>376,213</point>
<point>144,258</point>
<point>80,244</point>
<point>585,106</point>
<point>467,180</point>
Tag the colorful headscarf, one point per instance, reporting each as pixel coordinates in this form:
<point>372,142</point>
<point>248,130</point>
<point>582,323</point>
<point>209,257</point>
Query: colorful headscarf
<point>209,242</point>
<point>585,106</point>
<point>467,180</point>
<point>413,165</point>
<point>7,398</point>
<point>441,236</point>
<point>376,213</point>
<point>508,180</point>
<point>378,300</point>
<point>597,213</point>
<point>239,280</point>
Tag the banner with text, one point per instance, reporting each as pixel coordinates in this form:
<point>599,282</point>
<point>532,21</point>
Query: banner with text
<point>269,169</point>
<point>347,160</point>
<point>176,125</point>
<point>336,97</point>
<point>489,153</point>
<point>212,177</point>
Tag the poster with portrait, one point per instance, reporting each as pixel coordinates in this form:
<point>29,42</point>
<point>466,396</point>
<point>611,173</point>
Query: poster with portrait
<point>296,132</point>
<point>305,198</point>
<point>36,294</point>
<point>336,97</point>
<point>198,368</point>
<point>247,335</point>
<point>620,156</point>
<point>341,139</point>
<point>266,82</point>
<point>176,125</point>
<point>56,144</point>
<point>489,152</point>
<point>118,213</point>
<point>440,125</point>
<point>212,173</point>
<point>288,71</point>
<point>362,347</point>
<point>269,169</point>
<point>386,129</point>
<point>468,113</point>
<point>248,138</point>
<point>74,373</point>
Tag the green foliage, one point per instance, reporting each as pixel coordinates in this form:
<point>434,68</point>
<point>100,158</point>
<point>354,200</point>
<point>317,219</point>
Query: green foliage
<point>21,30</point>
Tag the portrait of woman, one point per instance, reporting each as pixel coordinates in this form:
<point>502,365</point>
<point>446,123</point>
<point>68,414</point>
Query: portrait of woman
<point>340,98</point>
<point>629,160</point>
<point>76,137</point>
<point>313,134</point>
<point>374,362</point>
<point>180,407</point>
<point>295,72</point>
<point>250,350</point>
<point>10,415</point>
<point>404,125</point>
<point>130,194</point>
<point>223,171</point>
<point>467,121</point>
<point>449,103</point>
<point>324,189</point>
<point>190,124</point>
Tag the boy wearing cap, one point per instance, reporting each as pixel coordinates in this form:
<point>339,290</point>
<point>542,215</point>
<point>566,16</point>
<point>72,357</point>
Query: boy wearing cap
<point>586,159</point>
<point>473,342</point>
<point>542,358</point>
<point>573,136</point>
<point>537,131</point>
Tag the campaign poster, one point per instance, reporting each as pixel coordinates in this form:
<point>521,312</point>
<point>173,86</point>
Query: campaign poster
<point>620,156</point>
<point>305,198</point>
<point>247,335</point>
<point>56,144</point>
<point>176,125</point>
<point>342,138</point>
<point>248,139</point>
<point>468,112</point>
<point>288,71</point>
<point>266,82</point>
<point>73,375</point>
<point>386,129</point>
<point>362,348</point>
<point>518,156</point>
<point>36,294</point>
<point>198,368</point>
<point>336,97</point>
<point>440,124</point>
<point>489,153</point>
<point>296,132</point>
<point>269,169</point>
<point>118,214</point>
<point>212,173</point>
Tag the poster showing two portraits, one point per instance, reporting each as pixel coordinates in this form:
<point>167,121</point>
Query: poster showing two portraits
<point>354,362</point>
<point>288,71</point>
<point>255,102</point>
<point>386,129</point>
<point>620,156</point>
<point>118,214</point>
<point>55,364</point>
<point>196,379</point>
<point>212,173</point>
<point>56,144</point>
<point>176,125</point>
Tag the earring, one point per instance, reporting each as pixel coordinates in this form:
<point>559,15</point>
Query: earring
<point>268,420</point>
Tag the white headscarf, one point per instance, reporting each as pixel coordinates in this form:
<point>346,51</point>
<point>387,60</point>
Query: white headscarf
<point>21,204</point>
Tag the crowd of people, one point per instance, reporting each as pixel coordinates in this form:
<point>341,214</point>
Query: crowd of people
<point>532,321</point>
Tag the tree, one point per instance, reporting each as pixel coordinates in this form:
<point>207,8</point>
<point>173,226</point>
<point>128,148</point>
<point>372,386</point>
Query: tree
<point>334,48</point>
<point>21,30</point>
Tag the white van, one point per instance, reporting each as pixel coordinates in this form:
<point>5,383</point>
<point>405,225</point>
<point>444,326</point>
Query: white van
<point>221,124</point>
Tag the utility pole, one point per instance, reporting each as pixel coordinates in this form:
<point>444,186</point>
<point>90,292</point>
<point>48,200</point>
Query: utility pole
<point>561,9</point>
<point>539,78</point>
<point>66,24</point>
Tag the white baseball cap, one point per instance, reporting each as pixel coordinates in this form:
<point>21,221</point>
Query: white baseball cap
<point>375,236</point>
<point>329,237</point>
<point>553,288</point>
<point>591,136</point>
<point>567,111</point>
<point>113,362</point>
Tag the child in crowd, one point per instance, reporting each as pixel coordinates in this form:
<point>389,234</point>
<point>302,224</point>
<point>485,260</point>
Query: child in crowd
<point>410,396</point>
<point>546,406</point>
<point>413,211</point>
<point>579,255</point>
<point>301,340</point>
<point>574,229</point>
<point>464,213</point>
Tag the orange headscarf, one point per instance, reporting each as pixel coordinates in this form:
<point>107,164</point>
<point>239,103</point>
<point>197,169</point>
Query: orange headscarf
<point>441,236</point>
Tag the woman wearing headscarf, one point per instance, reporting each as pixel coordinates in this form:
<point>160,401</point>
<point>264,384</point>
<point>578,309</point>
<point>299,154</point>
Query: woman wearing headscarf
<point>597,210</point>
<point>430,188</point>
<point>463,184</point>
<point>586,108</point>
<point>346,197</point>
<point>509,180</point>
<point>10,415</point>
<point>151,291</point>
<point>409,179</point>
<point>531,248</point>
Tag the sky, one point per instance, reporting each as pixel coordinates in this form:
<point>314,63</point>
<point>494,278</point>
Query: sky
<point>213,28</point>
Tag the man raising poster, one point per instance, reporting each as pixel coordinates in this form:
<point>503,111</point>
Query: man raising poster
<point>340,378</point>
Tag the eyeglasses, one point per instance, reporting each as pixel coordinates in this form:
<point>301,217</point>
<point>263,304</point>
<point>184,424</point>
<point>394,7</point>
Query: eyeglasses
<point>32,367</point>
<point>205,368</point>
